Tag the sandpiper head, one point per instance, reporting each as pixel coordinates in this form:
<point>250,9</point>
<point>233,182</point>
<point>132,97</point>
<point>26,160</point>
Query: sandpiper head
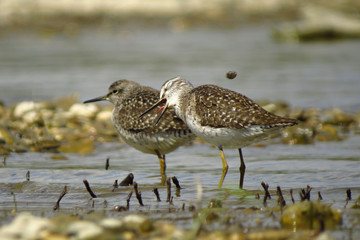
<point>172,89</point>
<point>170,94</point>
<point>117,91</point>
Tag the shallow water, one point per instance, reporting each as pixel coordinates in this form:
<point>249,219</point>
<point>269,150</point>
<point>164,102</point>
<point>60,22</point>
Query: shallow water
<point>330,168</point>
<point>320,75</point>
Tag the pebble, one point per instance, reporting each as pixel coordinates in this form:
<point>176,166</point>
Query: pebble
<point>26,226</point>
<point>112,223</point>
<point>6,135</point>
<point>84,110</point>
<point>83,230</point>
<point>82,146</point>
<point>71,127</point>
<point>104,116</point>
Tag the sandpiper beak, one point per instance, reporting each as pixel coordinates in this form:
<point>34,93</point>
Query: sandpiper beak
<point>162,109</point>
<point>102,98</point>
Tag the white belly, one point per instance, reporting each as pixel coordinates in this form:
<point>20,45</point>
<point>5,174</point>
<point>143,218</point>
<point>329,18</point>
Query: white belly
<point>229,138</point>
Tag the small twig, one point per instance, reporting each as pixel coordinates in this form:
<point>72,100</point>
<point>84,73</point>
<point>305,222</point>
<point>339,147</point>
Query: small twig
<point>128,200</point>
<point>115,185</point>
<point>257,196</point>
<point>183,207</point>
<point>129,180</point>
<point>319,196</point>
<point>281,200</point>
<point>87,185</point>
<point>267,194</point>
<point>292,196</point>
<point>62,194</point>
<point>156,192</point>
<point>305,194</point>
<point>4,161</point>
<point>168,184</point>
<point>15,204</point>
<point>138,194</point>
<point>176,182</point>
<point>28,176</point>
<point>107,164</point>
<point>348,197</point>
<point>348,194</point>
<point>171,200</point>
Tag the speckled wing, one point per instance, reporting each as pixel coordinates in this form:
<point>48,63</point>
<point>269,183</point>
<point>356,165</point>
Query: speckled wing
<point>137,103</point>
<point>223,108</point>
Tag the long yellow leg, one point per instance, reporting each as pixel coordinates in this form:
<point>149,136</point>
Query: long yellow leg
<point>242,169</point>
<point>162,167</point>
<point>225,166</point>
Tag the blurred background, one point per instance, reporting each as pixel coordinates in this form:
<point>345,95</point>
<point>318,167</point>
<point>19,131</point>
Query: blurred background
<point>306,53</point>
<point>302,52</point>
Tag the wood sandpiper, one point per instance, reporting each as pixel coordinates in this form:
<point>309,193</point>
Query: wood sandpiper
<point>131,99</point>
<point>220,116</point>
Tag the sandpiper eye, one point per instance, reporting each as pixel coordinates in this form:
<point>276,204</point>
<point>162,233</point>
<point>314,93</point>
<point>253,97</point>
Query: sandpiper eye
<point>114,91</point>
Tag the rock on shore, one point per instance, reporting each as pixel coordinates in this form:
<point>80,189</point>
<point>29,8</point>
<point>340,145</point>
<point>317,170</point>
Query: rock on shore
<point>66,126</point>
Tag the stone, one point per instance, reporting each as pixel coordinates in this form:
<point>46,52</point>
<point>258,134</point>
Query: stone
<point>310,215</point>
<point>82,146</point>
<point>84,230</point>
<point>84,110</point>
<point>26,226</point>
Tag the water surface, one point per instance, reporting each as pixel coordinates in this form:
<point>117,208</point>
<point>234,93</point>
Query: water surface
<point>320,75</point>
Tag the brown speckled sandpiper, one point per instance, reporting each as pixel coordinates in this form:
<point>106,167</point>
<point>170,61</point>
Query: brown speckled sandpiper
<point>220,116</point>
<point>130,99</point>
